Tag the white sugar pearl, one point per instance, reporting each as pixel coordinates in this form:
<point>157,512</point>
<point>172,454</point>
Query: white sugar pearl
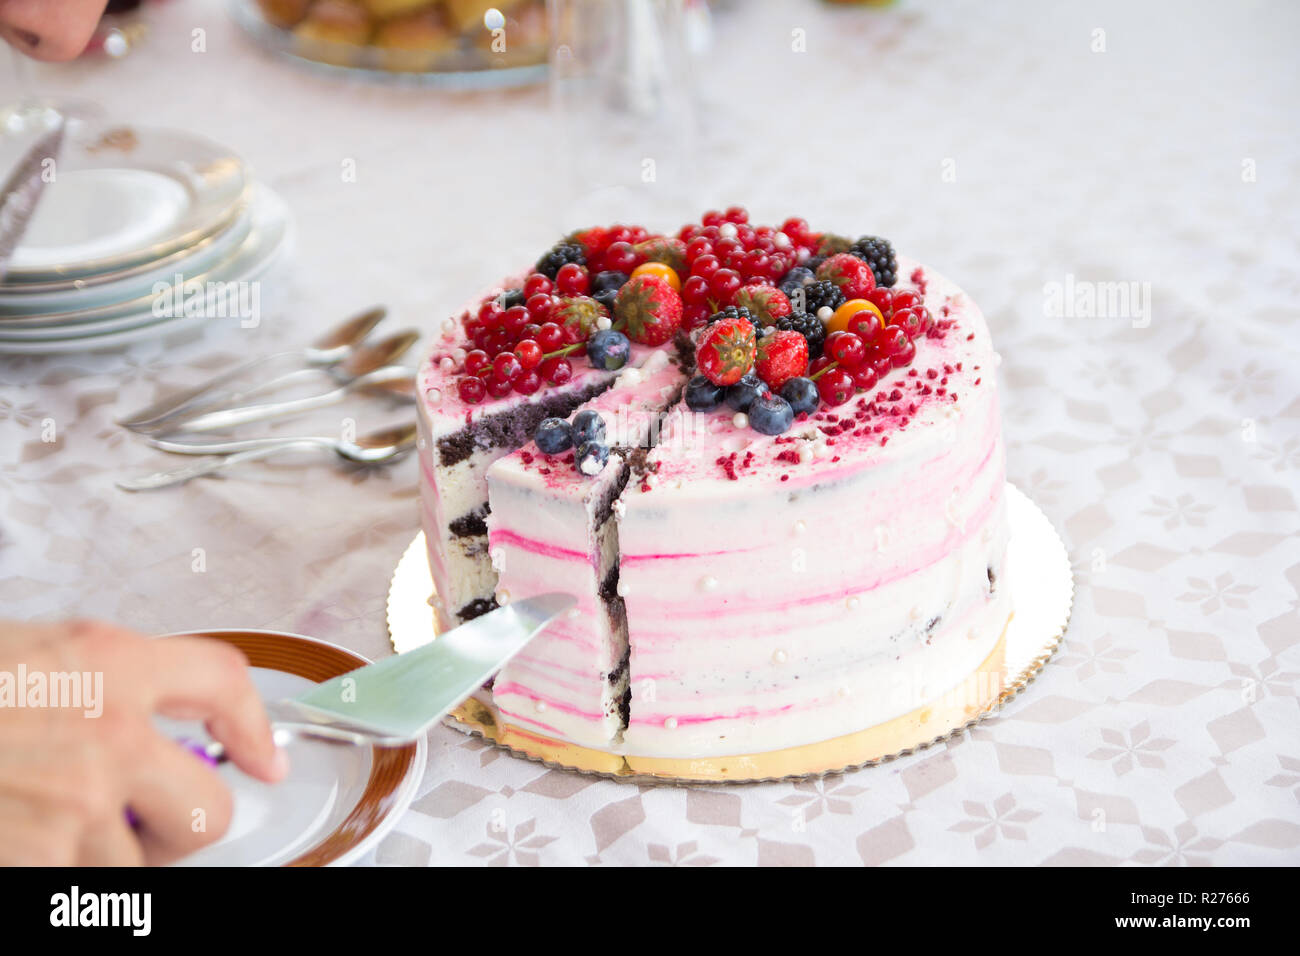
<point>841,692</point>
<point>727,230</point>
<point>914,614</point>
<point>805,454</point>
<point>972,634</point>
<point>651,480</point>
<point>622,589</point>
<point>825,313</point>
<point>448,328</point>
<point>670,723</point>
<point>852,603</point>
<point>458,356</point>
<point>503,597</point>
<point>603,323</point>
<point>800,527</point>
<point>447,365</point>
<point>779,656</point>
<point>781,241</point>
<point>433,396</point>
<point>740,420</point>
<point>541,706</point>
<point>708,583</point>
<point>882,538</point>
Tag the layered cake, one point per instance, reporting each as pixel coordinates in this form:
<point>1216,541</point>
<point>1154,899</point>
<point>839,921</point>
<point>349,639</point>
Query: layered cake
<point>768,463</point>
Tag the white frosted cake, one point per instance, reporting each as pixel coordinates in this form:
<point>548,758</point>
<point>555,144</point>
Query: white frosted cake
<point>786,562</point>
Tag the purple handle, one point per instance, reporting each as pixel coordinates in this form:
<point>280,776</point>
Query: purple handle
<point>199,750</point>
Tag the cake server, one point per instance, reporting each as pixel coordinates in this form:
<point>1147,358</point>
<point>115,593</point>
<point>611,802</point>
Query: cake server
<point>394,700</point>
<point>332,348</point>
<point>22,191</point>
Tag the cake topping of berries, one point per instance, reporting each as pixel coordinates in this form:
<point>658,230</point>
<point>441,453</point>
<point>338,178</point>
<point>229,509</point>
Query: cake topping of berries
<point>735,312</point>
<point>879,255</point>
<point>703,395</point>
<point>591,458</point>
<point>588,426</point>
<point>649,309</point>
<point>782,355</point>
<point>852,276</point>
<point>560,255</point>
<point>770,415</point>
<point>726,351</point>
<point>796,278</point>
<point>608,349</point>
<point>553,436</point>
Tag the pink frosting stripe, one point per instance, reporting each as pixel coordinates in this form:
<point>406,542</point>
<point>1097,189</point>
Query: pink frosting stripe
<point>743,714</point>
<point>639,558</point>
<point>499,536</point>
<point>518,690</point>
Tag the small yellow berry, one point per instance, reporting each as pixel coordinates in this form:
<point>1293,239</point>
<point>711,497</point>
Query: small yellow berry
<point>659,271</point>
<point>839,322</point>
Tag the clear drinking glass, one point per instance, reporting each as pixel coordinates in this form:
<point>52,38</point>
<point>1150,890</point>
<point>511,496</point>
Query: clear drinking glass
<point>623,110</point>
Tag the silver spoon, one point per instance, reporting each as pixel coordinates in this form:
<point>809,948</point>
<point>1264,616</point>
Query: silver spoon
<point>393,381</point>
<point>333,347</point>
<point>376,448</point>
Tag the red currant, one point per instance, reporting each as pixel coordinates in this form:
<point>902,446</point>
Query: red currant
<point>498,388</point>
<point>541,306</point>
<point>487,310</point>
<point>529,354</point>
<point>695,290</point>
<point>846,349</point>
<point>893,340</point>
<point>505,366</point>
<point>836,386</point>
<point>527,382</point>
<point>550,337</point>
<point>724,284</point>
<point>706,266</point>
<point>572,279</point>
<point>698,247</point>
<point>905,299</point>
<point>536,283</point>
<point>530,331</point>
<point>736,214</point>
<point>795,228</point>
<point>619,233</point>
<point>882,298</point>
<point>695,315</point>
<point>713,218</point>
<point>475,360</point>
<point>864,376</point>
<point>865,325</point>
<point>621,257</point>
<point>556,370</point>
<point>904,355</point>
<point>908,320</point>
<point>471,389</point>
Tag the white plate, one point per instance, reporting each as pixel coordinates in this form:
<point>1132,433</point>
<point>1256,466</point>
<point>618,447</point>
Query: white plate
<point>20,308</point>
<point>338,801</point>
<point>122,196</point>
<point>270,236</point>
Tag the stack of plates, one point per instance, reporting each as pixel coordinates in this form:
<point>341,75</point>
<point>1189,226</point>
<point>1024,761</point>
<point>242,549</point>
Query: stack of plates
<point>139,232</point>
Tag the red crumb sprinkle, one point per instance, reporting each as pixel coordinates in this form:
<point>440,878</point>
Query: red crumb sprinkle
<point>525,457</point>
<point>971,336</point>
<point>918,279</point>
<point>789,457</point>
<point>785,477</point>
<point>884,440</point>
<point>977,381</point>
<point>645,486</point>
<point>728,465</point>
<point>835,459</point>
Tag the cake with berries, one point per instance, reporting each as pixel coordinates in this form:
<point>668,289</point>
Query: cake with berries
<point>769,464</point>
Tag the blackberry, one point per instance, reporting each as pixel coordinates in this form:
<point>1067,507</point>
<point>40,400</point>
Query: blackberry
<point>737,312</point>
<point>796,278</point>
<point>561,254</point>
<point>823,293</point>
<point>809,326</point>
<point>879,254</point>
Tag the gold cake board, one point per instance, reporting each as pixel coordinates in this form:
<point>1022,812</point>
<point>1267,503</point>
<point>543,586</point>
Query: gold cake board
<point>1038,573</point>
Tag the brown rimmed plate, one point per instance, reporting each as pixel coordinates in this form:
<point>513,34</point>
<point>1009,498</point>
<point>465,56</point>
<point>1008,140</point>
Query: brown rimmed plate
<point>338,801</point>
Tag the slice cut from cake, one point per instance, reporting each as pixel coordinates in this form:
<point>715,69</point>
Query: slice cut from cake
<point>551,528</point>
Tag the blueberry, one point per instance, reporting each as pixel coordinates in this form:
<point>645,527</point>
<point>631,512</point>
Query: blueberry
<point>702,395</point>
<point>796,278</point>
<point>606,297</point>
<point>609,280</point>
<point>802,395</point>
<point>770,415</point>
<point>553,436</point>
<point>608,349</point>
<point>511,297</point>
<point>743,394</point>
<point>588,427</point>
<point>591,457</point>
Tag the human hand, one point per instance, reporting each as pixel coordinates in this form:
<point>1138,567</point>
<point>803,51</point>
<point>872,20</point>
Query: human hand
<point>67,775</point>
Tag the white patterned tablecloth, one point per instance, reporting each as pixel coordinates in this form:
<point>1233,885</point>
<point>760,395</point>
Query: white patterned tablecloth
<point>1018,148</point>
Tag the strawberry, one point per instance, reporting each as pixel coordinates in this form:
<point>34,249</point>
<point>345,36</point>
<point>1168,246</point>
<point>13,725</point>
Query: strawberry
<point>829,244</point>
<point>781,357</point>
<point>671,252</point>
<point>726,351</point>
<point>578,315</point>
<point>765,303</point>
<point>650,309</point>
<point>850,274</point>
